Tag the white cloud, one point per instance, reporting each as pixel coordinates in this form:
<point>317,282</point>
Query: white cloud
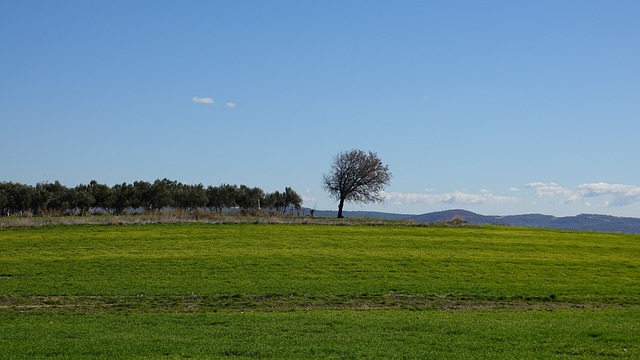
<point>548,189</point>
<point>514,189</point>
<point>206,100</point>
<point>611,195</point>
<point>617,194</point>
<point>457,197</point>
<point>596,189</point>
<point>231,105</point>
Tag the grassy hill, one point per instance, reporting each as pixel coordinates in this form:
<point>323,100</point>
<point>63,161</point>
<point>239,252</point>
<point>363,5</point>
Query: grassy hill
<point>317,291</point>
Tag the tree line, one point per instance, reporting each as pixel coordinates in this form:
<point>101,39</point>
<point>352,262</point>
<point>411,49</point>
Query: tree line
<point>56,199</point>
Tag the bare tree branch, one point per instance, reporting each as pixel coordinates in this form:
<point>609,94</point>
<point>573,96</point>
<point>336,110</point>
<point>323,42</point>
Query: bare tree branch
<point>356,176</point>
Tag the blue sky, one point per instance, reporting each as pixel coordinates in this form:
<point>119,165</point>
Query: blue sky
<point>498,107</point>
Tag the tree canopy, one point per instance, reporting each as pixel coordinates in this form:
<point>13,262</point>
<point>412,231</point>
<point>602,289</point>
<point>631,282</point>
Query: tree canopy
<point>57,199</point>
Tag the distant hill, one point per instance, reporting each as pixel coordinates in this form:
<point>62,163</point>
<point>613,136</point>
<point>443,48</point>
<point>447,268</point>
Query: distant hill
<point>470,217</point>
<point>582,222</point>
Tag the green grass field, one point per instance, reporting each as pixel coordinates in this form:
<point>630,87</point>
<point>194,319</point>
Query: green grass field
<point>317,291</point>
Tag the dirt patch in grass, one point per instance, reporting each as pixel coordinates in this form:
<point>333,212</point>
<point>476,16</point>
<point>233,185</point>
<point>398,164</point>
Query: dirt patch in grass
<point>195,303</point>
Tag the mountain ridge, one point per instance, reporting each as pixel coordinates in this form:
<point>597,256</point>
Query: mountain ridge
<point>581,222</point>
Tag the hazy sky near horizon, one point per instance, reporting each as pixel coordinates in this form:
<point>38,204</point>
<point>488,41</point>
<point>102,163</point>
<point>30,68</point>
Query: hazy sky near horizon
<point>497,107</point>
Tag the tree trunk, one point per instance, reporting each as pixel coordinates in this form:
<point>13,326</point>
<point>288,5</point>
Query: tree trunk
<point>340,206</point>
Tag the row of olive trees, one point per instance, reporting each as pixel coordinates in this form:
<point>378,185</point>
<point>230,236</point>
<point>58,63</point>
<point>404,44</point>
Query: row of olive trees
<point>57,199</point>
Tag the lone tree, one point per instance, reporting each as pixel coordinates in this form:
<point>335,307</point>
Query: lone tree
<point>356,176</point>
